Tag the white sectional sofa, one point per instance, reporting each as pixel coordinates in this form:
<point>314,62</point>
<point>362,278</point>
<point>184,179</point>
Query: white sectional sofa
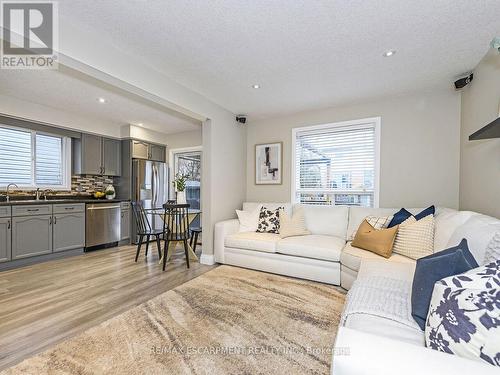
<point>376,343</point>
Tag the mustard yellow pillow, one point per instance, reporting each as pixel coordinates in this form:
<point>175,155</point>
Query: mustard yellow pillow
<point>378,241</point>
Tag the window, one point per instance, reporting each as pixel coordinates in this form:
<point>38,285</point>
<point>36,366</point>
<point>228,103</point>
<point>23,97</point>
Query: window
<point>34,159</point>
<point>336,164</point>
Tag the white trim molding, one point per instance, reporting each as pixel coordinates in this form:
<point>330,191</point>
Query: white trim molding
<point>207,259</point>
<point>375,121</point>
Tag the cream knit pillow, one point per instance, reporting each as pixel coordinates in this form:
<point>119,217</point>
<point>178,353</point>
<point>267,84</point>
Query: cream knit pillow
<point>415,239</point>
<point>293,226</point>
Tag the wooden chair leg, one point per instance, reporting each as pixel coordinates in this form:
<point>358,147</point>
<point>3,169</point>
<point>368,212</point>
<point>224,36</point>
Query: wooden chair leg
<point>158,245</point>
<point>147,244</point>
<point>165,254</point>
<point>191,240</point>
<point>195,242</point>
<point>186,252</point>
<point>138,247</point>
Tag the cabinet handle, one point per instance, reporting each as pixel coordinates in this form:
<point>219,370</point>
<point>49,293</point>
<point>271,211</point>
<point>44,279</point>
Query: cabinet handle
<point>8,224</point>
<point>69,208</point>
<point>33,209</point>
<point>55,220</point>
<point>50,220</point>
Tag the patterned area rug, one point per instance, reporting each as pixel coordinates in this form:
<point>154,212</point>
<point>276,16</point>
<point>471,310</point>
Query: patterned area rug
<point>227,321</point>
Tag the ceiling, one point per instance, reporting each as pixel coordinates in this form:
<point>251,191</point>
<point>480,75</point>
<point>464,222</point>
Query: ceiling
<point>305,54</point>
<point>73,92</point>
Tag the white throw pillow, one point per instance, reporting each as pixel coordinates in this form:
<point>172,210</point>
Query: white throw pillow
<point>415,238</point>
<point>294,225</point>
<point>492,252</point>
<point>464,315</point>
<point>377,222</point>
<point>249,220</point>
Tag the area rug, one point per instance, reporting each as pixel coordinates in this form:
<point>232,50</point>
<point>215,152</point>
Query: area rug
<point>227,321</point>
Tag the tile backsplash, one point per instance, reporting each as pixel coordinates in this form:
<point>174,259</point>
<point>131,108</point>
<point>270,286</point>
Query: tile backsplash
<point>88,184</point>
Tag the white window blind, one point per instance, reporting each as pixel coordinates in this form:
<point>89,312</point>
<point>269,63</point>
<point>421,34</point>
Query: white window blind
<point>49,160</point>
<point>336,164</point>
<point>30,159</point>
<point>15,157</point>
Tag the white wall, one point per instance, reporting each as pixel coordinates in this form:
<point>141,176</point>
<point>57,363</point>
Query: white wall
<point>420,148</point>
<point>480,160</point>
<point>185,139</point>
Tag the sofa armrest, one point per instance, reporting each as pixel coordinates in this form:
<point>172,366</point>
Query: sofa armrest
<point>361,353</point>
<point>222,230</point>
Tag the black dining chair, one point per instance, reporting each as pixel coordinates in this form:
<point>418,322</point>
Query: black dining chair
<point>195,232</point>
<point>176,228</point>
<point>144,229</point>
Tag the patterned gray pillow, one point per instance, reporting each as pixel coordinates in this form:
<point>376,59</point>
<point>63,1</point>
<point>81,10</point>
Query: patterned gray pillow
<point>492,252</point>
<point>269,220</point>
<point>464,315</point>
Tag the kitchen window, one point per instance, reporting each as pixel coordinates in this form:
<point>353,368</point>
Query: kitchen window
<point>33,159</point>
<point>337,164</point>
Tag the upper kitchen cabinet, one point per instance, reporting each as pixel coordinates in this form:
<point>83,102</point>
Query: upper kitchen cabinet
<point>96,155</point>
<point>148,151</point>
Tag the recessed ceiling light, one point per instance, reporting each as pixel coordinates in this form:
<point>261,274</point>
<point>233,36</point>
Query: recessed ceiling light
<point>101,100</point>
<point>389,53</point>
<point>140,124</point>
<point>256,86</point>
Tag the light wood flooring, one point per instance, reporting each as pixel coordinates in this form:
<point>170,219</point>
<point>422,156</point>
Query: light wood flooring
<point>43,304</point>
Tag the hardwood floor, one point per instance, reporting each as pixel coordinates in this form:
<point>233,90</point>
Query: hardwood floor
<point>43,304</point>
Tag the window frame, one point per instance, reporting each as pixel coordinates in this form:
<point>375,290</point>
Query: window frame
<point>375,121</point>
<point>66,162</point>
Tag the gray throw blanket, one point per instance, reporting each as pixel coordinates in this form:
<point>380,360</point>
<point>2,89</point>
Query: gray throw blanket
<point>380,296</point>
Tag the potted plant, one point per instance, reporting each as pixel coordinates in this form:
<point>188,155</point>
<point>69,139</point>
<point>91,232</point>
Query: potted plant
<point>110,192</point>
<point>180,187</point>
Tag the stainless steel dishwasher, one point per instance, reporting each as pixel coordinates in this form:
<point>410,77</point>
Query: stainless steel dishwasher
<point>103,222</point>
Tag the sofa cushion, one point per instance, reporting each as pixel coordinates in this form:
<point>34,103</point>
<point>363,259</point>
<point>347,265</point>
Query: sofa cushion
<point>446,222</point>
<point>294,225</point>
<point>415,239</point>
<point>269,220</point>
<point>265,242</point>
<point>249,220</point>
<point>378,241</point>
<point>478,230</point>
<point>358,214</point>
<point>325,220</point>
<point>435,267</point>
<point>313,246</point>
<point>403,215</point>
<point>351,257</point>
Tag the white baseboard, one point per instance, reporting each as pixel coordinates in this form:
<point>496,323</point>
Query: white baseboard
<point>207,259</point>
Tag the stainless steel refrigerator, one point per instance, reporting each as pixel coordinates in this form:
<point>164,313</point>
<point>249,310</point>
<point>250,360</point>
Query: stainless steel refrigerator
<point>150,187</point>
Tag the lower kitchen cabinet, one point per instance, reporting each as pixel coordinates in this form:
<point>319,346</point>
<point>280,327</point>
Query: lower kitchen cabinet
<point>31,235</point>
<point>5,239</point>
<point>69,231</point>
<point>125,224</point>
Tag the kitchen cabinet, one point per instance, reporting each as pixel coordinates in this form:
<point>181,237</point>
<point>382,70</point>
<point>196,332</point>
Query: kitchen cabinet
<point>125,221</point>
<point>5,239</point>
<point>96,155</point>
<point>31,235</point>
<point>68,231</point>
<point>111,157</point>
<point>157,153</point>
<point>148,151</point>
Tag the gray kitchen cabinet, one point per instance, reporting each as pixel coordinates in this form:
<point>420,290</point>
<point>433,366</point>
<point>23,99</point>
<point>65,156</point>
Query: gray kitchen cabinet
<point>140,149</point>
<point>96,155</point>
<point>111,157</point>
<point>148,151</point>
<point>5,239</point>
<point>91,154</point>
<point>125,224</point>
<point>31,235</point>
<point>68,231</point>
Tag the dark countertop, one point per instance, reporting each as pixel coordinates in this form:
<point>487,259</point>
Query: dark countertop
<point>62,200</point>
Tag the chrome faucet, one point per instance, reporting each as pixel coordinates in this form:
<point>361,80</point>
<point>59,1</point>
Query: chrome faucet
<point>8,186</point>
<point>37,194</point>
<point>45,192</point>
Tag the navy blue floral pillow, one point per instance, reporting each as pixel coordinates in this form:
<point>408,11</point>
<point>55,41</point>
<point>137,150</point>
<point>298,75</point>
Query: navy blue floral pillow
<point>464,315</point>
